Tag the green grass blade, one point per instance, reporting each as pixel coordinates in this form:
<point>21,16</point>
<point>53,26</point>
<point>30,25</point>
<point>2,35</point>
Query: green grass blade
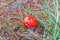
<point>49,15</point>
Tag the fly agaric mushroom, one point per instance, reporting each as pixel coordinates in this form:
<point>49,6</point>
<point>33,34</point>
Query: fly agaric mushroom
<point>30,22</point>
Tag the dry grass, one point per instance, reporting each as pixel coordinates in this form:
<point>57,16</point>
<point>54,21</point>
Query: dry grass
<point>11,20</point>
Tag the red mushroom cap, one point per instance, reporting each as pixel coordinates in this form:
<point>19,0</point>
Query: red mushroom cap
<point>30,22</point>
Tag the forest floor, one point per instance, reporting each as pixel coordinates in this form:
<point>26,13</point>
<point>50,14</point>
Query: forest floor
<point>12,17</point>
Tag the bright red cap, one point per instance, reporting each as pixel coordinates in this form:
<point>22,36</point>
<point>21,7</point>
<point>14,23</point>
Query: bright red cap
<point>30,22</point>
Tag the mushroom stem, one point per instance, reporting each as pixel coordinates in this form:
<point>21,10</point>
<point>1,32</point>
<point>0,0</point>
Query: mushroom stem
<point>31,32</point>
